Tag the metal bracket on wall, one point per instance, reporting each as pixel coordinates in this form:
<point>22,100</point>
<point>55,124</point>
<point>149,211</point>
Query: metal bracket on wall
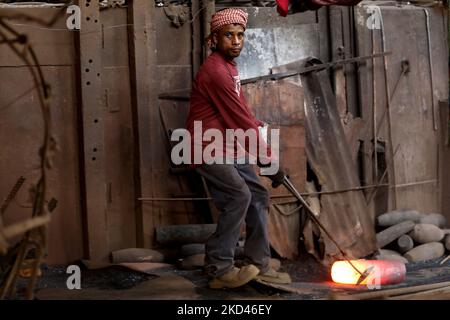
<point>93,117</point>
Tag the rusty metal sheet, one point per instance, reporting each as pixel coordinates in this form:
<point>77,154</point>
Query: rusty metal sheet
<point>175,77</point>
<point>412,115</point>
<point>280,103</point>
<point>173,115</point>
<point>266,48</point>
<point>53,45</point>
<point>273,40</point>
<point>174,59</point>
<point>114,37</point>
<point>174,44</point>
<point>343,214</point>
<point>21,125</point>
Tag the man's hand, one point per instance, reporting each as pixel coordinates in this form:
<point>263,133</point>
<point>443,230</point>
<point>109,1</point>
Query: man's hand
<point>277,178</point>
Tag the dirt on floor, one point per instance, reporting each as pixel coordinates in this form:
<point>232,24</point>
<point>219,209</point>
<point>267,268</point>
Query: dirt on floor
<point>311,280</point>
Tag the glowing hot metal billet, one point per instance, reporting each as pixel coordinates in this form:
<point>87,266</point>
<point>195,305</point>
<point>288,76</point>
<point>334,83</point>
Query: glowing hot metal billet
<point>378,272</point>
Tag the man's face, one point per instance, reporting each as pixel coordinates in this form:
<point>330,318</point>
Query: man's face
<point>230,40</point>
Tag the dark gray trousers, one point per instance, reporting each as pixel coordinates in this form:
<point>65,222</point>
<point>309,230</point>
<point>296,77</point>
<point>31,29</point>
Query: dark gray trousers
<point>239,196</point>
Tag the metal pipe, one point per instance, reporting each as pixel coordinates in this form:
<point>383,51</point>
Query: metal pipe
<point>360,188</point>
<point>374,114</point>
<point>388,106</point>
<point>175,199</point>
<point>427,15</point>
<point>327,65</point>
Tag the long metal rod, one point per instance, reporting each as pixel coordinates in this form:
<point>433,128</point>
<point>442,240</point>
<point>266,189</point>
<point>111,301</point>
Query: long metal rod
<point>175,199</point>
<point>374,113</point>
<point>294,191</point>
<point>405,70</point>
<point>322,66</point>
<point>183,94</point>
<point>388,106</point>
<point>373,186</point>
<point>372,195</point>
<point>427,15</point>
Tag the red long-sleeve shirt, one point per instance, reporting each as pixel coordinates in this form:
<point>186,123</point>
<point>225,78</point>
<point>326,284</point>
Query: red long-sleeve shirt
<point>218,102</point>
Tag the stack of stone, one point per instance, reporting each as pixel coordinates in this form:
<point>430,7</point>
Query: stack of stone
<point>411,236</point>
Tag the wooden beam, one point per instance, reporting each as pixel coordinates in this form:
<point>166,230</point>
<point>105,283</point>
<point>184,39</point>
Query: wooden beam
<point>89,40</point>
<point>142,55</point>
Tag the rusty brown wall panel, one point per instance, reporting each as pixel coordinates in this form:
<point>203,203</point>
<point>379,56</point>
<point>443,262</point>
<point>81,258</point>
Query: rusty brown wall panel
<point>53,46</point>
<point>175,77</point>
<point>21,137</point>
<point>114,37</point>
<point>413,132</point>
<point>167,59</point>
<point>411,107</point>
<point>119,137</point>
<point>174,44</point>
<point>173,115</point>
<point>280,103</point>
<point>343,214</point>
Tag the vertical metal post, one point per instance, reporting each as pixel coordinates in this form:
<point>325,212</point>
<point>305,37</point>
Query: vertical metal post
<point>430,57</point>
<point>391,165</point>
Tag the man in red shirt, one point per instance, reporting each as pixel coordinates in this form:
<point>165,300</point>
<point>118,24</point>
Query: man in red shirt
<point>217,103</point>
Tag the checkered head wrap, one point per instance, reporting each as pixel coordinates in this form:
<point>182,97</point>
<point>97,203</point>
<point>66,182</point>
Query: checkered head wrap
<point>228,16</point>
